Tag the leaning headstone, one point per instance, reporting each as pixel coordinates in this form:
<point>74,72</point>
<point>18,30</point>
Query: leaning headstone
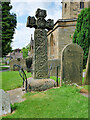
<point>40,58</point>
<point>87,74</point>
<point>72,64</point>
<point>4,103</point>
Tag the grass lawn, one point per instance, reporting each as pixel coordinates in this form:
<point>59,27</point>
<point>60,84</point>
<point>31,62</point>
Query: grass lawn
<point>12,80</point>
<point>84,70</point>
<point>63,102</point>
<point>54,78</point>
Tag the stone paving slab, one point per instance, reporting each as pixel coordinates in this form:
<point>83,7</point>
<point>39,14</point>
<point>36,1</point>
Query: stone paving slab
<point>86,95</point>
<point>5,66</point>
<point>16,95</point>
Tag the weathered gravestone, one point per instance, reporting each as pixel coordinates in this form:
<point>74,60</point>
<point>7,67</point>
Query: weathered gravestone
<point>72,64</point>
<point>4,103</point>
<point>87,74</point>
<point>40,58</point>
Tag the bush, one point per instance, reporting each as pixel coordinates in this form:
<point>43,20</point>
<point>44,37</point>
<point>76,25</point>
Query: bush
<point>81,34</point>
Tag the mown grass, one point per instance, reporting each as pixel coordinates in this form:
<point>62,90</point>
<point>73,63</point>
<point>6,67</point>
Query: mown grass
<point>84,70</point>
<point>63,102</point>
<point>12,80</point>
<point>83,80</point>
<point>54,78</point>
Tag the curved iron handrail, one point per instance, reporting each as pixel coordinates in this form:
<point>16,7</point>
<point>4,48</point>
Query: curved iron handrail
<point>22,74</point>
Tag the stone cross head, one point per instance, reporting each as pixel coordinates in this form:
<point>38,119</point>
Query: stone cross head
<point>40,23</point>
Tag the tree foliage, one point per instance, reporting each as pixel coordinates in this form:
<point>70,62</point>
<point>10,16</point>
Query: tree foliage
<point>8,27</point>
<point>81,34</point>
<point>25,52</point>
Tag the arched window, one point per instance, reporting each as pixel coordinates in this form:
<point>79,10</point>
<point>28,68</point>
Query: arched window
<point>51,46</point>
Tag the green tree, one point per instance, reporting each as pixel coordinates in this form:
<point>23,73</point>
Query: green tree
<point>81,34</point>
<point>25,52</point>
<point>8,27</point>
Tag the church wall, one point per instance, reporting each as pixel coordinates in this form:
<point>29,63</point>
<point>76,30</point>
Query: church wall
<point>72,9</point>
<point>62,34</point>
<point>65,37</point>
<point>66,10</point>
<point>75,9</point>
<point>55,45</point>
<point>63,31</point>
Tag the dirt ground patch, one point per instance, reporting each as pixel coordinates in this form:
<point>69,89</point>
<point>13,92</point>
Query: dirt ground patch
<point>39,95</point>
<point>84,92</point>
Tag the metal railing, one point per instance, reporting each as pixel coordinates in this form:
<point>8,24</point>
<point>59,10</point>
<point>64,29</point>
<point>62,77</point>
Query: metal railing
<point>50,70</point>
<point>57,72</point>
<point>22,74</point>
<point>24,77</point>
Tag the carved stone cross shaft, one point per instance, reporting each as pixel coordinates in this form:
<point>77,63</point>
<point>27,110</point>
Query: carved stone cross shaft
<point>40,58</point>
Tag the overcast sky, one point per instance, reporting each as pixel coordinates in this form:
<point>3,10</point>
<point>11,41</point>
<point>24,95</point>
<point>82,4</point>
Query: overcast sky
<point>25,8</point>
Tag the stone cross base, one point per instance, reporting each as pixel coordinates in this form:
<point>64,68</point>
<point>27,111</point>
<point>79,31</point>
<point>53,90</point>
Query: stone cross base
<point>40,84</point>
<point>40,59</point>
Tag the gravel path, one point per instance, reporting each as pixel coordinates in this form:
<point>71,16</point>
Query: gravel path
<point>5,66</point>
<point>86,95</point>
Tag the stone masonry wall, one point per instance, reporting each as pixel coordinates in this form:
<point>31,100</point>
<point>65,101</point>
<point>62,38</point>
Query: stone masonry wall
<point>62,35</point>
<point>55,45</point>
<point>71,10</point>
<point>65,37</point>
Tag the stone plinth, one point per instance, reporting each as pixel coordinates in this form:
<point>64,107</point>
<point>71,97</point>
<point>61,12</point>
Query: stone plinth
<point>40,59</point>
<point>40,84</point>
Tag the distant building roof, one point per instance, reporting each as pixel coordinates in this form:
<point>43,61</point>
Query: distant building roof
<point>17,50</point>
